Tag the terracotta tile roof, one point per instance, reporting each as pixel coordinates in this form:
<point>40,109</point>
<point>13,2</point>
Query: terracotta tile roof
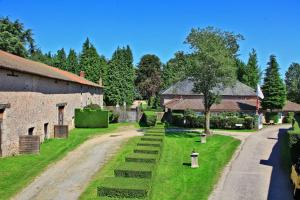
<point>291,107</point>
<point>16,63</point>
<point>225,105</point>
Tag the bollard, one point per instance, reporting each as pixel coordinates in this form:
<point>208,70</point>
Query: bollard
<point>194,158</point>
<point>203,138</point>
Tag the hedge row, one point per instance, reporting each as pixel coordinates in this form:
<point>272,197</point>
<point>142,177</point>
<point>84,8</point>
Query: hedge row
<point>294,139</point>
<point>91,118</point>
<point>220,122</point>
<point>133,178</point>
<point>148,119</point>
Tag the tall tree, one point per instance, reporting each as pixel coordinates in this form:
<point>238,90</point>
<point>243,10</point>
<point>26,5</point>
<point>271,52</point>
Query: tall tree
<point>148,79</point>
<point>119,84</point>
<point>72,62</point>
<point>241,70</point>
<point>292,82</point>
<point>175,69</point>
<point>273,88</point>
<point>214,54</point>
<point>91,63</point>
<point>15,39</point>
<point>60,59</point>
<point>252,74</point>
<point>38,56</point>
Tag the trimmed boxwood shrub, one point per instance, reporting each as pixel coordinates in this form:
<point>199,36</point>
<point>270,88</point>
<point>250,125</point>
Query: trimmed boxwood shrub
<point>113,117</point>
<point>249,122</point>
<point>147,150</point>
<point>288,118</point>
<point>150,143</point>
<point>88,118</point>
<point>119,187</point>
<point>294,144</point>
<point>134,170</point>
<point>144,158</point>
<point>151,138</point>
<point>148,119</point>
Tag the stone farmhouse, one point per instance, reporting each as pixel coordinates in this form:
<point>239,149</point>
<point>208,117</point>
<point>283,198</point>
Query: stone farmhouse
<point>34,97</point>
<point>236,98</point>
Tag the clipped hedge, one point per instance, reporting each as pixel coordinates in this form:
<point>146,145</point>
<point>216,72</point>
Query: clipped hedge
<point>88,118</point>
<point>119,187</point>
<point>151,138</point>
<point>135,170</point>
<point>144,158</point>
<point>147,150</point>
<point>216,122</point>
<point>289,118</point>
<point>150,143</point>
<point>148,119</point>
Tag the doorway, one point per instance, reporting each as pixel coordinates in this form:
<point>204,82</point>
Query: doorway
<point>46,131</point>
<point>61,115</point>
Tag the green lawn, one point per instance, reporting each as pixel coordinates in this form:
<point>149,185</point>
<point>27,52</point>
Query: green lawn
<point>174,178</point>
<point>18,171</point>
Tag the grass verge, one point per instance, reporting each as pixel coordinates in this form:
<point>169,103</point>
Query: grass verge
<point>18,171</point>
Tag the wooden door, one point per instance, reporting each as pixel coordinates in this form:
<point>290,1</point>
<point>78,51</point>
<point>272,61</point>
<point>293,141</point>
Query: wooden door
<point>61,115</point>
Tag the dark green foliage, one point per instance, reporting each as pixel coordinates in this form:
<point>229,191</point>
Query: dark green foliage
<point>148,119</point>
<point>150,143</point>
<point>249,123</point>
<point>272,116</point>
<point>241,70</point>
<point>134,170</point>
<point>273,88</point>
<point>252,73</point>
<point>72,64</point>
<point>91,63</point>
<point>124,187</point>
<point>15,39</point>
<point>292,82</point>
<point>288,118</point>
<point>87,118</point>
<point>148,79</point>
<point>38,56</point>
<point>294,144</point>
<point>60,59</point>
<point>113,117</point>
<point>176,69</point>
<point>151,138</point>
<point>147,150</point>
<point>119,82</point>
<point>177,119</point>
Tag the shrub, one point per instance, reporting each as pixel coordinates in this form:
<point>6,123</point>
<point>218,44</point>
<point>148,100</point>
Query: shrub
<point>147,149</point>
<point>144,158</point>
<point>249,122</point>
<point>113,117</point>
<point>134,170</point>
<point>148,119</point>
<point>272,116</point>
<point>177,119</point>
<point>294,144</point>
<point>92,106</point>
<point>87,118</point>
<point>288,118</point>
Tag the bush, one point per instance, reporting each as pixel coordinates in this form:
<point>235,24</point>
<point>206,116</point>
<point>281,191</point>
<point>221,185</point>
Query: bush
<point>294,144</point>
<point>93,106</point>
<point>289,118</point>
<point>272,116</point>
<point>148,119</point>
<point>113,117</point>
<point>87,118</point>
<point>249,122</point>
<point>134,170</point>
<point>144,158</point>
<point>177,119</point>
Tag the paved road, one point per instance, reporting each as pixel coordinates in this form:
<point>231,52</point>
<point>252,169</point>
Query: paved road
<point>66,179</point>
<point>255,173</point>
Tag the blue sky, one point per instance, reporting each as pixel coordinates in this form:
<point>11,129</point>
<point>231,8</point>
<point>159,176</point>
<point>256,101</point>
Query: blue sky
<point>160,27</point>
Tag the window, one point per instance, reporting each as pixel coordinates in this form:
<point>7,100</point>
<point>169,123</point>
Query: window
<point>30,131</point>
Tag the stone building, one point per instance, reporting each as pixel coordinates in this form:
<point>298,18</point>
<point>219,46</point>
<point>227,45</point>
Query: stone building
<point>34,97</point>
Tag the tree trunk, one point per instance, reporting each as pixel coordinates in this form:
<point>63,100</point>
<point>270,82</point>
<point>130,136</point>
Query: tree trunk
<point>207,122</point>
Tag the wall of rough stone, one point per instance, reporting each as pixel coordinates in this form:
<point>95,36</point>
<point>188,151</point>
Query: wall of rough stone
<point>33,102</point>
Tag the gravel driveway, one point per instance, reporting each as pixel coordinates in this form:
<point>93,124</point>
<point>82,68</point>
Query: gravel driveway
<point>255,172</point>
<point>67,179</point>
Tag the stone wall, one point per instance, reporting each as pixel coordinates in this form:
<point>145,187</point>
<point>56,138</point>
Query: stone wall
<point>34,102</point>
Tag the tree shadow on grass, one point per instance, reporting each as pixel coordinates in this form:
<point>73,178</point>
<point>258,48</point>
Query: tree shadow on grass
<point>280,187</point>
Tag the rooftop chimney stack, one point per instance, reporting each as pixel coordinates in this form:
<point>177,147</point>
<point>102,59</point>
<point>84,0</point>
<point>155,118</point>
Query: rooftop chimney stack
<point>81,74</point>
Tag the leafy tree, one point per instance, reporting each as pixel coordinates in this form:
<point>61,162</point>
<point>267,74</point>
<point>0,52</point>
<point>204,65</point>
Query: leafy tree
<point>175,69</point>
<point>91,63</point>
<point>14,38</point>
<point>148,79</point>
<point>60,59</point>
<point>273,88</point>
<point>119,84</point>
<point>241,70</point>
<point>292,82</point>
<point>214,54</point>
<point>38,56</point>
<point>252,73</point>
<point>72,62</point>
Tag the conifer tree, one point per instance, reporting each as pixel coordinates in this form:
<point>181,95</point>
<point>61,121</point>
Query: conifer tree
<point>273,88</point>
<point>252,74</point>
<point>72,62</point>
<point>91,63</point>
<point>292,81</point>
<point>241,70</point>
<point>119,83</point>
<point>60,59</point>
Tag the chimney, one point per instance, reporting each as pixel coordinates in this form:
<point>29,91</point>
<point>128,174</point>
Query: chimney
<point>81,74</point>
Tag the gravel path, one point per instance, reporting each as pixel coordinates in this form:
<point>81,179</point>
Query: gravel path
<point>255,172</point>
<point>67,179</point>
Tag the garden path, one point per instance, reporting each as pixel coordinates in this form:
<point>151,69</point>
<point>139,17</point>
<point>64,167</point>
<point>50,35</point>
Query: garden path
<point>68,178</point>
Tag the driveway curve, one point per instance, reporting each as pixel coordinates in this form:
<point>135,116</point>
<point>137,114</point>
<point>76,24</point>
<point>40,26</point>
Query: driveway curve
<point>68,178</point>
<point>255,172</point>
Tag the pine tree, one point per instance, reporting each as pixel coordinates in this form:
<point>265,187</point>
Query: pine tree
<point>72,62</point>
<point>148,79</point>
<point>241,70</point>
<point>252,74</point>
<point>119,84</point>
<point>60,59</point>
<point>292,81</point>
<point>273,88</point>
<point>91,63</point>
